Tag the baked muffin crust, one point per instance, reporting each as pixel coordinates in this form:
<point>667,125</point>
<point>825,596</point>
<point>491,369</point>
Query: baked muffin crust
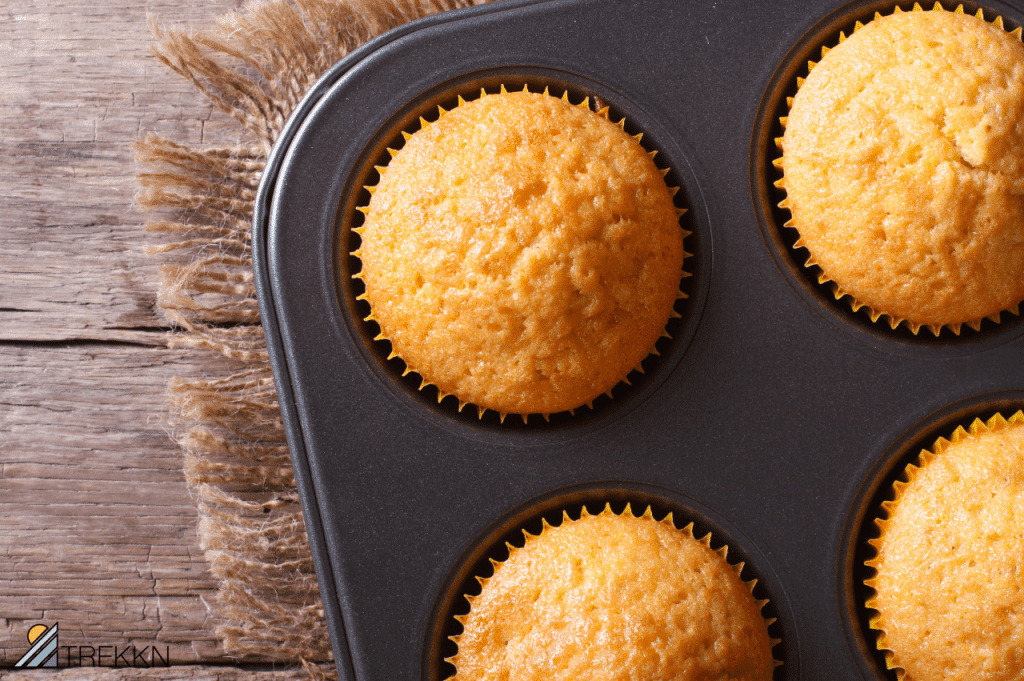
<point>903,156</point>
<point>950,565</point>
<point>521,253</point>
<point>614,597</point>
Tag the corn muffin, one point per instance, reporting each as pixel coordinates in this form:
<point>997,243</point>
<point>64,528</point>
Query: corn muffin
<point>903,161</point>
<point>949,584</point>
<point>614,597</point>
<point>521,253</point>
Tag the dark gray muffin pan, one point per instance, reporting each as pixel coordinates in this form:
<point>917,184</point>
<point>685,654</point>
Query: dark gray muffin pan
<point>775,417</point>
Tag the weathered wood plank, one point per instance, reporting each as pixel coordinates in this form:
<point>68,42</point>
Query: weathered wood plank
<point>79,86</point>
<point>97,529</point>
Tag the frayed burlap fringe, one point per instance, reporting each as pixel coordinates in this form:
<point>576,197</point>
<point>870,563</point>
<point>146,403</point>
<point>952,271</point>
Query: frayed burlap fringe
<point>255,65</point>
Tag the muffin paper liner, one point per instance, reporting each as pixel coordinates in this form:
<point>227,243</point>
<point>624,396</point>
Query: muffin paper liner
<point>602,111</point>
<point>823,277</point>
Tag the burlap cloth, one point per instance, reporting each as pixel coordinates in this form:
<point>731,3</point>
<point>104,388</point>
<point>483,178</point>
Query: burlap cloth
<point>254,64</point>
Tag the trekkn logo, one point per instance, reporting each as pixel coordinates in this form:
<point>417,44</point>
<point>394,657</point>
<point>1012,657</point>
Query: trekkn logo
<point>46,651</point>
<point>43,651</point>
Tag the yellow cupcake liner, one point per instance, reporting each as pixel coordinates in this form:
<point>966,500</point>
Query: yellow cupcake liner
<point>647,515</point>
<point>602,111</point>
<point>823,277</point>
<point>888,507</point>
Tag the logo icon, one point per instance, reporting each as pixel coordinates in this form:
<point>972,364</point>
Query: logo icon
<point>43,652</point>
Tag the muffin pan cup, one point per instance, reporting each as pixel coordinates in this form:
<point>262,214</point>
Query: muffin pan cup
<point>772,417</point>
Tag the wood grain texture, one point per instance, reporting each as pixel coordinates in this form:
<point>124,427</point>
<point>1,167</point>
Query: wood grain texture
<point>79,84</point>
<point>97,527</point>
<point>97,530</point>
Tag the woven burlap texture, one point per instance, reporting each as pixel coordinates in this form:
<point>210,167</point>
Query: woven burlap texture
<point>255,65</point>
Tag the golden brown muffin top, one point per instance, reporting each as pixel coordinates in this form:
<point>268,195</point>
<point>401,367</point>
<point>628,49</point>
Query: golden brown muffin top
<point>904,167</point>
<point>522,253</point>
<point>950,566</point>
<point>614,597</point>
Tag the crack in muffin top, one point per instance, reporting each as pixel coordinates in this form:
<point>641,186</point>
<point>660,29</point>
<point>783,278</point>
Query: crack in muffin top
<point>904,168</point>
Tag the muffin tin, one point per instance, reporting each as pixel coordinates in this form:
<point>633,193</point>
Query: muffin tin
<point>775,417</point>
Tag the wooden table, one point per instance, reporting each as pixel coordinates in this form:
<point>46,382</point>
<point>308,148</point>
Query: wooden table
<point>97,530</point>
